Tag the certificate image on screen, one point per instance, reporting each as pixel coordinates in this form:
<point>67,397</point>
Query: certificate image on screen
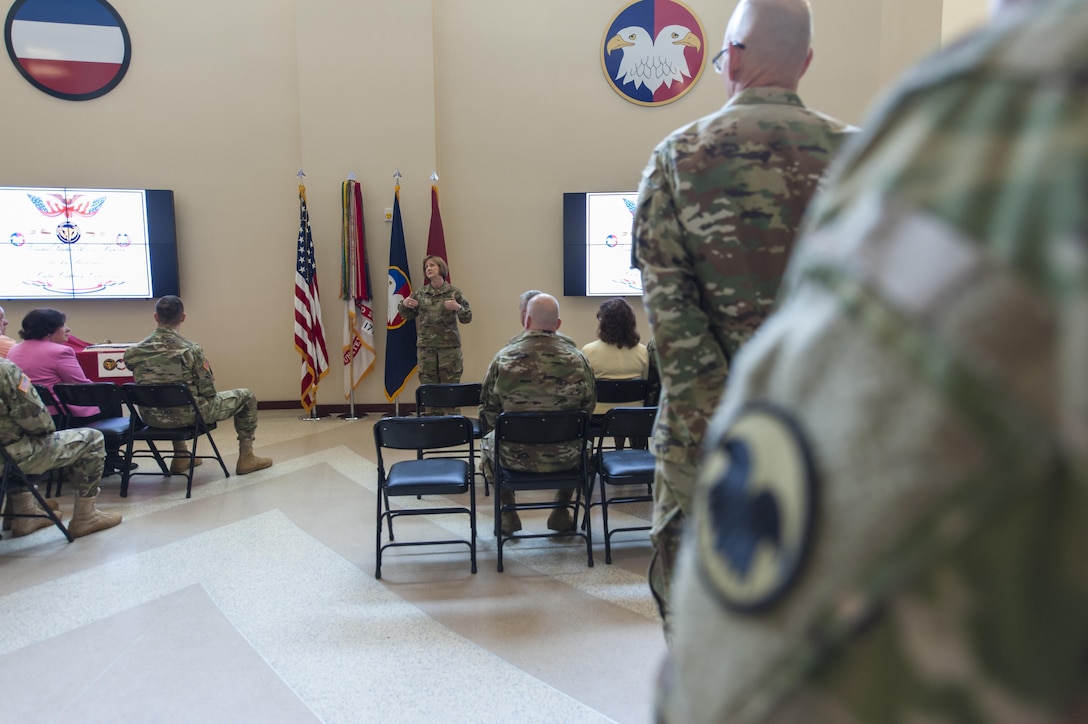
<point>608,245</point>
<point>75,243</point>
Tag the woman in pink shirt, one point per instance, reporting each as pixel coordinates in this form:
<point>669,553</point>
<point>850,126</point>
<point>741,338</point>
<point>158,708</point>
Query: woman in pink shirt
<point>46,358</point>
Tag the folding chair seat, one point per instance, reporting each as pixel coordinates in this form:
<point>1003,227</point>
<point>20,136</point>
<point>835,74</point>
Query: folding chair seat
<point>437,476</point>
<point>543,429</point>
<point>624,468</point>
<point>14,479</point>
<point>629,392</point>
<point>165,395</point>
<point>459,395</point>
<point>106,396</point>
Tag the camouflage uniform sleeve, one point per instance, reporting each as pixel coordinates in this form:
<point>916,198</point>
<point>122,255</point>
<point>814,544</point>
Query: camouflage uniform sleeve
<point>589,400</point>
<point>490,406</point>
<point>464,314</point>
<point>24,407</point>
<point>203,379</point>
<point>409,312</point>
<point>681,327</point>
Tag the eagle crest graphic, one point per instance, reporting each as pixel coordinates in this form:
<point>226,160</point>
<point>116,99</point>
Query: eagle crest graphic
<point>653,52</point>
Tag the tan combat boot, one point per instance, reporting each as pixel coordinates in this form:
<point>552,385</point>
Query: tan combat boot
<point>180,464</point>
<point>88,519</point>
<point>9,520</point>
<point>560,518</point>
<point>247,461</point>
<point>511,521</point>
<point>24,503</point>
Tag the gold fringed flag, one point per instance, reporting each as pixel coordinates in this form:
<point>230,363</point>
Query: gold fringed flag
<point>358,349</point>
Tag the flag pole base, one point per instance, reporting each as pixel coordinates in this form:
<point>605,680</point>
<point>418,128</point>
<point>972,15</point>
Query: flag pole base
<point>313,416</point>
<point>347,416</point>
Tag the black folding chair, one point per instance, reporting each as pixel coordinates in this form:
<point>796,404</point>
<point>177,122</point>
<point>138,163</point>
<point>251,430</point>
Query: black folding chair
<point>14,479</point>
<point>548,429</point>
<point>623,468</point>
<point>441,476</point>
<point>174,395</point>
<point>627,392</point>
<point>108,398</point>
<point>459,395</point>
<point>60,417</point>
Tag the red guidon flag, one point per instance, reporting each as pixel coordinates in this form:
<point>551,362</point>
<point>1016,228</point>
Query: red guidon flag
<point>75,49</point>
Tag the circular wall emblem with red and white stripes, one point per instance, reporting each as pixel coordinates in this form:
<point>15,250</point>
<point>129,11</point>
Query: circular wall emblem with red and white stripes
<point>71,49</point>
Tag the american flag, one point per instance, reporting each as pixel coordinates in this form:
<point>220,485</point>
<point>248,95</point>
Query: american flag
<point>309,333</point>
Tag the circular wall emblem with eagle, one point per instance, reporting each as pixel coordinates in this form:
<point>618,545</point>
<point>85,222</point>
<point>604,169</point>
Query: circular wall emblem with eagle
<point>653,52</point>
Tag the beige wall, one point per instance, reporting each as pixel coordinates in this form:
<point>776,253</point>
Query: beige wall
<point>225,100</point>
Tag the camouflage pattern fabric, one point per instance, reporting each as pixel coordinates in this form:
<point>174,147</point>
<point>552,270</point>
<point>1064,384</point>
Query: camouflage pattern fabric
<point>718,209</point>
<point>653,375</point>
<point>440,365</point>
<point>166,356</point>
<point>558,335</point>
<point>537,373</point>
<point>931,350</point>
<point>437,326</point>
<point>28,434</point>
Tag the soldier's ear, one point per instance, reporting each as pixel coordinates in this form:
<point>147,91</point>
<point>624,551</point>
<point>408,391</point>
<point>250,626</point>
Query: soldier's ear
<point>558,324</point>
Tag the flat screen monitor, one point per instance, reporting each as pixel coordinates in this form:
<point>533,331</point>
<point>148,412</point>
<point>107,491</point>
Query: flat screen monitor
<point>79,243</point>
<point>597,245</point>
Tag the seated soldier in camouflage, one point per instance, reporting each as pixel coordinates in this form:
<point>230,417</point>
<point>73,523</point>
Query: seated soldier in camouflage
<point>536,372</point>
<point>28,434</point>
<point>166,356</point>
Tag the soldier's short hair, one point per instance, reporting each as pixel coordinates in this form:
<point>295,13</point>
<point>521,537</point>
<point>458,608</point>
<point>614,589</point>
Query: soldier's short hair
<point>169,310</point>
<point>443,268</point>
<point>40,323</point>
<point>523,301</point>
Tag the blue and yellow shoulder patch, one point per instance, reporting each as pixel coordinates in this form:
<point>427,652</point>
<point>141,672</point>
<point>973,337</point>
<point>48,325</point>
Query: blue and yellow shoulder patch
<point>759,504</point>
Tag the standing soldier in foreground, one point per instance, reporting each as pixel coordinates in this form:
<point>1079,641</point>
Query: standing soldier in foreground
<point>718,209</point>
<point>891,520</point>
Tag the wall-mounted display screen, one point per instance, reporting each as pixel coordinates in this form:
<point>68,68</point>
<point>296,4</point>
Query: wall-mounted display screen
<point>81,243</point>
<point>597,245</point>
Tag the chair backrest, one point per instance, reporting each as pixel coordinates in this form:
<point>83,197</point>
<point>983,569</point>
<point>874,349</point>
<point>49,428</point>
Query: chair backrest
<point>612,391</point>
<point>463,394</point>
<point>60,413</point>
<point>416,433</point>
<point>104,395</point>
<point>542,428</point>
<point>165,394</point>
<point>630,422</point>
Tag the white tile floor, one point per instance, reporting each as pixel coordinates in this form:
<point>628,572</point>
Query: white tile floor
<point>255,601</point>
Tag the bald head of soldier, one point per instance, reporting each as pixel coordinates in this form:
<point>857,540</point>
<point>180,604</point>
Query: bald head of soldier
<point>542,314</point>
<point>767,43</point>
<point>169,311</point>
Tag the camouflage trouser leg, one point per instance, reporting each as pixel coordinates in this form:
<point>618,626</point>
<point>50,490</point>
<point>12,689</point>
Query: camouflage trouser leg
<point>241,404</point>
<point>440,365</point>
<point>487,457</point>
<point>673,486</point>
<point>79,453</point>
